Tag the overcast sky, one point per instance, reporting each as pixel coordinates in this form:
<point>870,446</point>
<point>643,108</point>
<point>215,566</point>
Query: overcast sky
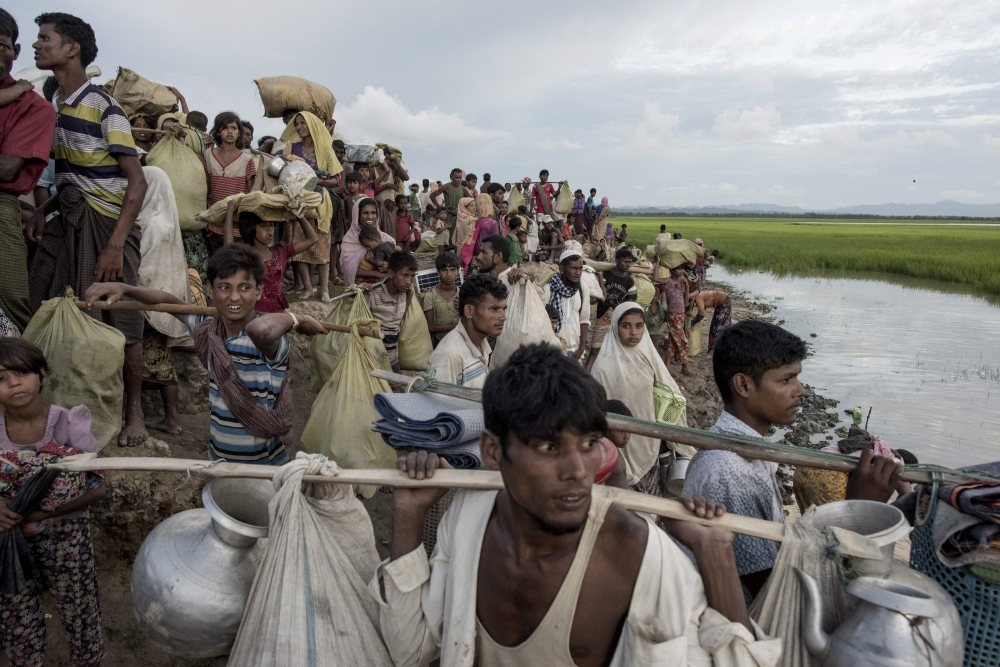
<point>679,103</point>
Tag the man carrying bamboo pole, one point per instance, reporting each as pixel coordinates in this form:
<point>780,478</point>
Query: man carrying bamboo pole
<point>757,368</point>
<point>545,573</point>
<point>246,355</point>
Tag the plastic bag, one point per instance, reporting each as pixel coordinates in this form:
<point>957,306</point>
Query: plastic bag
<point>564,199</point>
<point>279,93</point>
<point>645,290</point>
<point>369,154</point>
<point>187,178</point>
<point>527,323</point>
<point>310,596</point>
<point>85,360</point>
<point>514,199</point>
<point>325,352</point>
<point>340,424</point>
<point>138,95</point>
<point>415,346</point>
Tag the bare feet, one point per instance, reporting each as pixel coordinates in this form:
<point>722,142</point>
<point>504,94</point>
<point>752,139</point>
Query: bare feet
<point>134,433</point>
<point>325,298</point>
<point>687,371</point>
<point>172,429</point>
<point>306,294</point>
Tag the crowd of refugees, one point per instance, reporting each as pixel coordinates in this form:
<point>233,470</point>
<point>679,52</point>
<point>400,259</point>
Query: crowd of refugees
<point>546,429</point>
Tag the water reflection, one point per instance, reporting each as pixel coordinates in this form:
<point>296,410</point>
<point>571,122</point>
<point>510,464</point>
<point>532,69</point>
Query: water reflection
<point>924,355</point>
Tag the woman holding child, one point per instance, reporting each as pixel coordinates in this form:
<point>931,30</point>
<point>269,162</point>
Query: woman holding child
<point>306,138</point>
<point>628,367</point>
<point>353,251</point>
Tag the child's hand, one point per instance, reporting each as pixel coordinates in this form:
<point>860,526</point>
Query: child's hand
<point>383,267</point>
<point>232,204</point>
<point>110,291</point>
<point>23,85</point>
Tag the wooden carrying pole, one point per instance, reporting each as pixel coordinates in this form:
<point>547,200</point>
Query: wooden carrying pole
<point>185,309</point>
<point>750,449</point>
<point>460,479</point>
<point>607,266</point>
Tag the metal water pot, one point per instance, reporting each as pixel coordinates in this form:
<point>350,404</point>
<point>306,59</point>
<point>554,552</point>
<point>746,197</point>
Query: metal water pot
<point>192,575</point>
<point>892,625</point>
<point>298,177</point>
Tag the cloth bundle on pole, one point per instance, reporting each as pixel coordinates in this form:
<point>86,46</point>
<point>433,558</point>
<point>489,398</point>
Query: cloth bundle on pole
<point>279,93</point>
<point>415,346</point>
<point>564,199</point>
<point>309,603</point>
<point>85,363</point>
<point>187,178</point>
<point>17,566</point>
<point>274,206</point>
<point>644,289</point>
<point>325,352</point>
<point>675,252</point>
<point>138,95</point>
<point>515,199</point>
<point>527,324</point>
<point>448,426</point>
<point>339,425</point>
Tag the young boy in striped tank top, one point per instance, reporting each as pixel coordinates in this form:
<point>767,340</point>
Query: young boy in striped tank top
<point>246,355</point>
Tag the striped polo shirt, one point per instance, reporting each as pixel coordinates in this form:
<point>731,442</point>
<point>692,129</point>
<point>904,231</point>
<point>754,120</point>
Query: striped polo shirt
<point>91,129</point>
<point>228,440</point>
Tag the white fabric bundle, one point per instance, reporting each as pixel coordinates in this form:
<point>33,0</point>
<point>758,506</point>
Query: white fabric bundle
<point>309,603</point>
<point>162,265</point>
<point>527,323</point>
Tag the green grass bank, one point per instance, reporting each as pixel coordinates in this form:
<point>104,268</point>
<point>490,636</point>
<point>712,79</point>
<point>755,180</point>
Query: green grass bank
<point>944,250</point>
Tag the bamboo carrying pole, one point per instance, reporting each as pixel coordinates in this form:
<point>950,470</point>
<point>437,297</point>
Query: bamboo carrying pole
<point>607,266</point>
<point>460,479</point>
<point>210,311</point>
<point>751,449</point>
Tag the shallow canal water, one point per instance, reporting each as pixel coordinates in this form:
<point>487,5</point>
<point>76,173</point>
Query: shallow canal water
<point>923,355</point>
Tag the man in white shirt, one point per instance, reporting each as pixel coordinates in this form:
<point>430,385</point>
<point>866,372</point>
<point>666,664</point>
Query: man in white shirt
<point>463,355</point>
<point>571,299</point>
<point>545,572</point>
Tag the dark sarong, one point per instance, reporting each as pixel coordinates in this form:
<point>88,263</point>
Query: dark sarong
<point>67,257</point>
<point>13,263</point>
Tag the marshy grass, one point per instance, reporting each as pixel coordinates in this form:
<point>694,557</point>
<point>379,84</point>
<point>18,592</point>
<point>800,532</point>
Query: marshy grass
<point>922,249</point>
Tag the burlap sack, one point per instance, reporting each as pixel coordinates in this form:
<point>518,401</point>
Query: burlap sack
<point>139,95</point>
<point>279,93</point>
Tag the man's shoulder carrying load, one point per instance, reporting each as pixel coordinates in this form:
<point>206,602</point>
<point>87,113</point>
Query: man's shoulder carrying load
<point>138,95</point>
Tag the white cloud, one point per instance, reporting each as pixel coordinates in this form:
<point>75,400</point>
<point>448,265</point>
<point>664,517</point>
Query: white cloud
<point>842,136</point>
<point>378,116</point>
<point>965,195</point>
<point>749,124</point>
<point>780,190</point>
<point>656,127</point>
<point>991,143</point>
<point>562,144</point>
<point>904,140</point>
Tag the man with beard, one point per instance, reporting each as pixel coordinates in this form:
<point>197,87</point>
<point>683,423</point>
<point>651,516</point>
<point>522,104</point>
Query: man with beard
<point>571,299</point>
<point>493,259</point>
<point>545,573</point>
<point>463,355</point>
<point>496,192</point>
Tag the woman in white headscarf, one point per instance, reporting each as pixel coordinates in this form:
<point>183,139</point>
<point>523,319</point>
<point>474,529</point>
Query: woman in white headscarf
<point>162,266</point>
<point>627,367</point>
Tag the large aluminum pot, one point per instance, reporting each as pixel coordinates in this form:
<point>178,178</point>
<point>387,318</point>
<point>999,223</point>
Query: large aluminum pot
<point>275,166</point>
<point>882,523</point>
<point>192,575</point>
<point>297,176</point>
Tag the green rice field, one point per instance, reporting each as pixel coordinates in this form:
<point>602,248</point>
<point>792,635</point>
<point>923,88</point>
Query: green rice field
<point>953,251</point>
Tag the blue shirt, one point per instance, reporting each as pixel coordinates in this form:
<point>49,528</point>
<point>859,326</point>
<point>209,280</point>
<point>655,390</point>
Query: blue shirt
<point>228,440</point>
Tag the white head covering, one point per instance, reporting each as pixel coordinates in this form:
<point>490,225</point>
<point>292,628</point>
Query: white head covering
<point>627,374</point>
<point>546,218</point>
<point>569,254</point>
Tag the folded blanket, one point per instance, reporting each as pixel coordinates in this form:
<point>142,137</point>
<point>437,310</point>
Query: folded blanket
<point>422,421</point>
<point>465,456</point>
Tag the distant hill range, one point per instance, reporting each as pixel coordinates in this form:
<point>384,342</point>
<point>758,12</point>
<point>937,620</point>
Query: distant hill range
<point>942,209</point>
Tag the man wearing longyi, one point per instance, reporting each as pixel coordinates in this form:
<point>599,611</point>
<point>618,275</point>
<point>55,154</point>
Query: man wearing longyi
<point>543,572</point>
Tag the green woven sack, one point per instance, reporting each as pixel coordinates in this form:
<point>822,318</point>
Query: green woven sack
<point>668,404</point>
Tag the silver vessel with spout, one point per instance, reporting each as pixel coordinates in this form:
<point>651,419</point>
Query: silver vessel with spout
<point>893,624</point>
<point>192,575</point>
